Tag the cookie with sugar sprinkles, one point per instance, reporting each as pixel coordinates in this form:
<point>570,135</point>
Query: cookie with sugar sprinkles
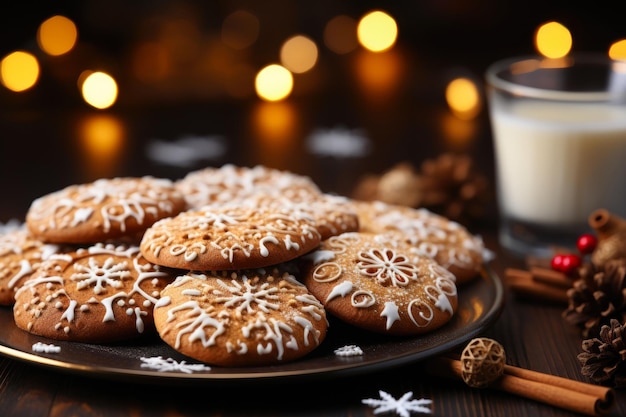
<point>374,283</point>
<point>331,214</point>
<point>243,318</point>
<point>446,241</point>
<point>101,293</point>
<point>229,237</point>
<point>103,210</point>
<point>221,185</point>
<point>20,255</point>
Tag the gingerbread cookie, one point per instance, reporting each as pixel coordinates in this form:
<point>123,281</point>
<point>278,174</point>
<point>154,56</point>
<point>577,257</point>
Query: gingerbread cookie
<point>240,318</point>
<point>229,237</point>
<point>102,293</point>
<point>20,255</point>
<point>432,235</point>
<point>230,182</point>
<point>374,283</point>
<point>103,210</point>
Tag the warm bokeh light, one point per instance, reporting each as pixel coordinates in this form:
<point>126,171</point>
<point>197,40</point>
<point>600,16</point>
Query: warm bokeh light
<point>379,74</point>
<point>101,139</point>
<point>274,131</point>
<point>463,98</point>
<point>618,50</point>
<point>240,29</point>
<point>57,35</point>
<point>99,90</point>
<point>298,54</point>
<point>553,40</point>
<point>151,62</point>
<point>377,31</point>
<point>273,83</point>
<point>19,71</point>
<point>340,34</point>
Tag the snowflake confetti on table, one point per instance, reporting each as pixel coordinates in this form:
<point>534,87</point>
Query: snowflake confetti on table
<point>170,365</point>
<point>349,350</point>
<point>46,348</point>
<point>402,406</point>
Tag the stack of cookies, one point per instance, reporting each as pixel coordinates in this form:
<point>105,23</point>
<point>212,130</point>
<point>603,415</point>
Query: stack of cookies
<point>232,266</point>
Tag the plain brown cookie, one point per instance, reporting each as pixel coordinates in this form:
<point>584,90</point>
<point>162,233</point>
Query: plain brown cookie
<point>103,210</point>
<point>432,235</point>
<point>102,293</point>
<point>229,238</point>
<point>240,318</point>
<point>374,283</point>
<point>20,256</point>
<point>229,182</point>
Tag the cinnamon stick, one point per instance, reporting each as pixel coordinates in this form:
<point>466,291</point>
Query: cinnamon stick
<point>523,283</point>
<point>559,392</point>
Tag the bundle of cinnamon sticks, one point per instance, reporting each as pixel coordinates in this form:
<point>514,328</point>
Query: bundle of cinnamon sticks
<point>568,394</point>
<point>538,283</point>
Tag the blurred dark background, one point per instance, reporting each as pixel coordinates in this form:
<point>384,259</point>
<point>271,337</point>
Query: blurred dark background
<point>206,89</point>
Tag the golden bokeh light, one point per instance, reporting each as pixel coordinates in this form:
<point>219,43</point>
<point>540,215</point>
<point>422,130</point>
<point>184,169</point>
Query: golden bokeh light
<point>19,71</point>
<point>101,138</point>
<point>273,83</point>
<point>340,34</point>
<point>57,35</point>
<point>377,31</point>
<point>275,128</point>
<point>379,74</point>
<point>617,50</point>
<point>553,40</point>
<point>240,29</point>
<point>99,90</point>
<point>298,54</point>
<point>463,98</point>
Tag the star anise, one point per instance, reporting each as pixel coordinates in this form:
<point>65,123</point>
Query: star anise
<point>597,296</point>
<point>604,358</point>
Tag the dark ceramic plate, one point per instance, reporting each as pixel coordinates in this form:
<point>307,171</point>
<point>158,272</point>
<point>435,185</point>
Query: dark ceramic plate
<point>480,304</point>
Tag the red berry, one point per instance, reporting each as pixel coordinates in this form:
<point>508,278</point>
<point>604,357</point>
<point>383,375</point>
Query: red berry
<point>567,264</point>
<point>586,243</point>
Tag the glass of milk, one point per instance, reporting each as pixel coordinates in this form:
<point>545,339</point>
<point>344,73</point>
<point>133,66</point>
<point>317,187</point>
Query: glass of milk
<point>559,135</point>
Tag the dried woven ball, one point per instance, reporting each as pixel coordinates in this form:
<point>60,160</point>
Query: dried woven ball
<point>482,362</point>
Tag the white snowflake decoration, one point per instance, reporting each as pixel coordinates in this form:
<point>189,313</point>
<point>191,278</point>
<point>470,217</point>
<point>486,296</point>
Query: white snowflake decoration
<point>349,350</point>
<point>46,348</point>
<point>186,151</point>
<point>339,142</point>
<point>402,406</point>
<point>170,365</point>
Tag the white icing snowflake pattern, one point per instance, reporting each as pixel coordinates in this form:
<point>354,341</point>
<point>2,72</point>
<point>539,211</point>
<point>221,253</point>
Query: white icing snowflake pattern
<point>109,273</point>
<point>402,406</point>
<point>387,267</point>
<point>349,350</point>
<point>160,364</point>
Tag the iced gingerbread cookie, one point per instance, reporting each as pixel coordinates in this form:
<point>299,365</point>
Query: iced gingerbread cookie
<point>374,283</point>
<point>331,214</point>
<point>432,235</point>
<point>103,210</point>
<point>20,256</point>
<point>240,318</point>
<point>221,185</point>
<point>229,237</point>
<point>102,293</point>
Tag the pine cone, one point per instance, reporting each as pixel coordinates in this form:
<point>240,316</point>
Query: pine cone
<point>604,359</point>
<point>451,188</point>
<point>597,296</point>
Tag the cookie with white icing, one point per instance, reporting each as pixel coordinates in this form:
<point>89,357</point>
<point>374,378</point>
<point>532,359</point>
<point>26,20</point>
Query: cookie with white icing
<point>229,182</point>
<point>331,214</point>
<point>375,283</point>
<point>229,238</point>
<point>20,255</point>
<point>101,293</point>
<point>240,318</point>
<point>446,241</point>
<point>103,210</point>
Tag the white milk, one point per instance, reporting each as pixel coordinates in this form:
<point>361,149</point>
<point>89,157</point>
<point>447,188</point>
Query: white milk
<point>556,163</point>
